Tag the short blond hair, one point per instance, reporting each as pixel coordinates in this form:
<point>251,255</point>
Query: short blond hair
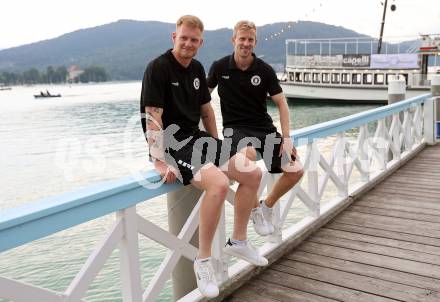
<point>191,21</point>
<point>244,25</point>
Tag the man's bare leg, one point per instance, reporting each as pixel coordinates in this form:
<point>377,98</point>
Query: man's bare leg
<point>246,193</point>
<point>285,183</point>
<point>215,184</point>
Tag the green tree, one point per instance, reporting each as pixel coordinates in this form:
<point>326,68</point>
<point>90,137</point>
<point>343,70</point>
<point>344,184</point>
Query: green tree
<point>60,74</point>
<point>94,74</point>
<point>31,76</point>
<point>50,74</point>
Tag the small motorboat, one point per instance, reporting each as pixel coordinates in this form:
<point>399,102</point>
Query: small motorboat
<point>46,95</point>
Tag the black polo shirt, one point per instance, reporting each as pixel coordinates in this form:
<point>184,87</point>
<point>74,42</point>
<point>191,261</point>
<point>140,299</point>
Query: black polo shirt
<point>180,91</point>
<point>243,94</point>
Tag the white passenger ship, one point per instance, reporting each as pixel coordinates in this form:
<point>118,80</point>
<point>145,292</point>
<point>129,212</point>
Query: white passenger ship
<point>349,68</point>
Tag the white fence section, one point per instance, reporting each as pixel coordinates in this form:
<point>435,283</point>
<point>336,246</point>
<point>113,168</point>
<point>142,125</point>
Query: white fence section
<point>378,138</point>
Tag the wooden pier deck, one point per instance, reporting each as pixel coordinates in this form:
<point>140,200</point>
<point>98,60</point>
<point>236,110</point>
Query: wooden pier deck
<point>383,247</point>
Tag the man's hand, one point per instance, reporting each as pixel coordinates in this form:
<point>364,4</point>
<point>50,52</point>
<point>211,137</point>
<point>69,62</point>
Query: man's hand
<point>166,171</point>
<point>288,147</point>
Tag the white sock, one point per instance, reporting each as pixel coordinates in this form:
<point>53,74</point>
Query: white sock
<point>238,242</point>
<point>203,259</point>
<point>263,204</point>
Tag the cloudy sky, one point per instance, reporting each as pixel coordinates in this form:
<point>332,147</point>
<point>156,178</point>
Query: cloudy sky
<point>24,21</point>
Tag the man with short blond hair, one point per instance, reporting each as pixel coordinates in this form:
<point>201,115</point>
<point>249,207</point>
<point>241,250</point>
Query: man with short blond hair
<point>244,81</point>
<point>244,25</point>
<point>191,21</point>
<point>174,98</point>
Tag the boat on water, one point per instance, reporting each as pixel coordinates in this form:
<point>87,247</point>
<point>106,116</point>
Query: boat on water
<point>46,95</point>
<point>37,96</point>
<point>350,69</point>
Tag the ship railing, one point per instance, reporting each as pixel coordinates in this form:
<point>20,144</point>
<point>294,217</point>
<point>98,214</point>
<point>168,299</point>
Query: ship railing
<point>337,46</point>
<point>341,159</point>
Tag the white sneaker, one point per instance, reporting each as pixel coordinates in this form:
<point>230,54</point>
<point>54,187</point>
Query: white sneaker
<point>261,225</point>
<point>245,252</point>
<point>267,214</point>
<point>205,278</point>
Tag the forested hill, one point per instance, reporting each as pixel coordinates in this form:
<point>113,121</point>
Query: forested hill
<point>124,47</point>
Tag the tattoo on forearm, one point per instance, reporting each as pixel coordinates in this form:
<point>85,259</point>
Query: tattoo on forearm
<point>154,109</point>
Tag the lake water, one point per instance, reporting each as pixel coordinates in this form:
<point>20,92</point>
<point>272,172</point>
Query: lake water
<point>91,134</point>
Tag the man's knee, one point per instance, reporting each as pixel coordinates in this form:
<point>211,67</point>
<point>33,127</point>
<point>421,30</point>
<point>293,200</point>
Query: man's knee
<point>251,153</point>
<point>296,175</point>
<point>219,186</point>
<point>253,178</point>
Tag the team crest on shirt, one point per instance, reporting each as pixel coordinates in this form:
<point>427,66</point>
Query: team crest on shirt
<point>256,80</point>
<point>196,83</point>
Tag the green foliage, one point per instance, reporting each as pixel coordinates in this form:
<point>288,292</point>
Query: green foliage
<point>94,74</point>
<point>52,76</point>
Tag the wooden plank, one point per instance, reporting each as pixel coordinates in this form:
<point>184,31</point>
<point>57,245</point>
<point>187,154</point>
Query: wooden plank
<point>401,178</point>
<point>402,206</point>
<point>394,213</point>
<point>366,270</point>
<point>416,172</point>
<point>380,288</point>
<point>390,223</point>
<point>417,185</point>
<point>411,174</point>
<point>259,290</point>
<point>420,201</point>
<point>407,192</point>
<point>403,265</point>
<point>378,249</point>
<point>427,241</point>
<point>421,163</point>
<point>323,289</point>
<point>416,247</point>
<point>250,293</point>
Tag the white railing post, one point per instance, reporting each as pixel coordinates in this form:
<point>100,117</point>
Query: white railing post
<point>363,150</point>
<point>429,122</point>
<point>381,143</point>
<point>435,90</point>
<point>276,236</point>
<point>180,206</point>
<point>341,164</point>
<point>312,174</point>
<point>129,255</point>
<point>220,262</point>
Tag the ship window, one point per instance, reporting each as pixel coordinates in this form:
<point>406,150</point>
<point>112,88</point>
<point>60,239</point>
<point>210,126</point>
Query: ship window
<point>307,77</point>
<point>356,78</point>
<point>298,76</point>
<point>390,76</point>
<point>326,78</point>
<point>368,78</point>
<point>405,75</point>
<point>345,78</point>
<point>378,78</point>
<point>336,78</point>
<point>316,77</point>
<point>291,76</point>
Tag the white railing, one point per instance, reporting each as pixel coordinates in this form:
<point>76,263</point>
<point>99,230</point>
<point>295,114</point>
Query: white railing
<point>381,138</point>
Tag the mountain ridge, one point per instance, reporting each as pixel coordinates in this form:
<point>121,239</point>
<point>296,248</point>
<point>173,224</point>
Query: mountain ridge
<point>124,47</point>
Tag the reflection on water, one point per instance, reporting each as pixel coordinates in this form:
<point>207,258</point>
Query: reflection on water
<point>91,134</point>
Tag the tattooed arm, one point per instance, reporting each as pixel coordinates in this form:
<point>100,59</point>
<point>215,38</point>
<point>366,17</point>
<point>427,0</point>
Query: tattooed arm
<point>155,141</point>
